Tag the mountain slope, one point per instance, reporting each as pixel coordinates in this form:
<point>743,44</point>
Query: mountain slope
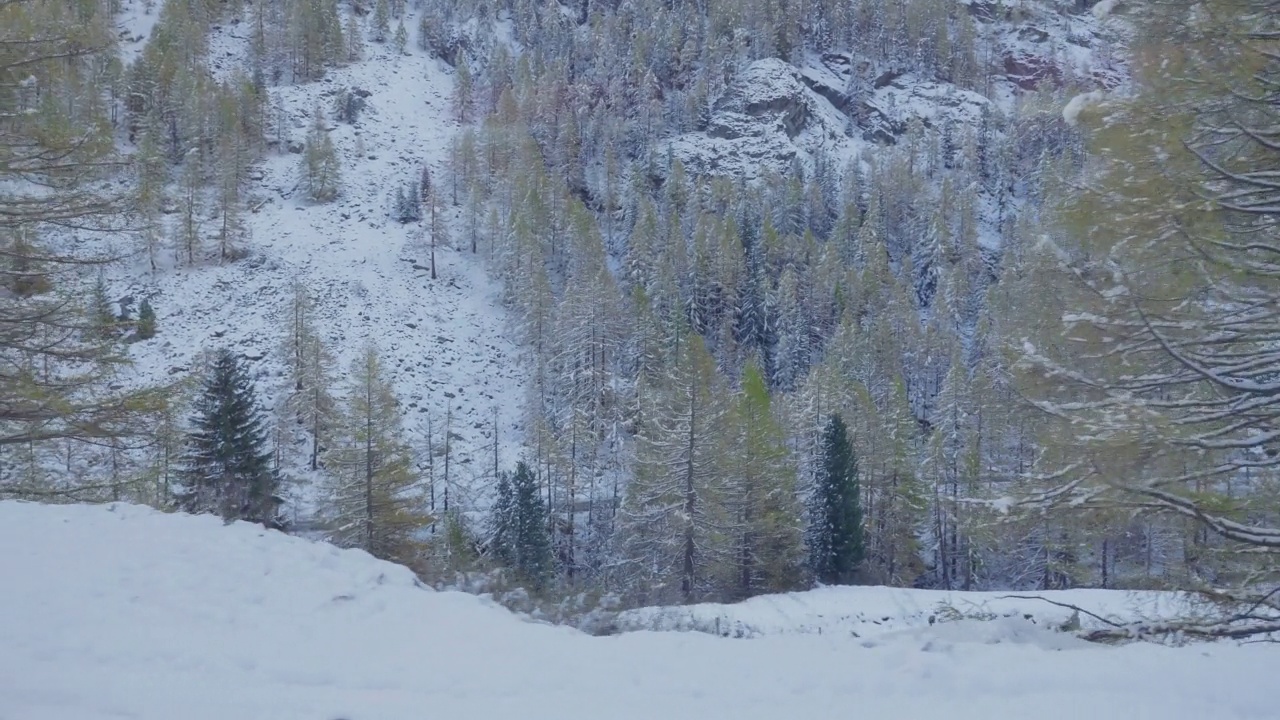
<point>447,342</point>
<point>124,612</point>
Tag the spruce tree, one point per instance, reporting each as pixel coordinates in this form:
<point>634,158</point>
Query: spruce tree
<point>835,537</point>
<point>502,522</point>
<point>146,320</point>
<point>103,319</point>
<point>531,541</point>
<point>227,468</point>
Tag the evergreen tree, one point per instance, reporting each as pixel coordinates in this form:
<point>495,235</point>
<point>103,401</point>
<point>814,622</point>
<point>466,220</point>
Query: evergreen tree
<point>835,536</point>
<point>227,468</point>
<point>146,320</point>
<point>530,548</point>
<point>502,522</point>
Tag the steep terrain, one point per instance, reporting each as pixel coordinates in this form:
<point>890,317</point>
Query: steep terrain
<point>775,115</point>
<point>122,612</point>
<point>447,342</point>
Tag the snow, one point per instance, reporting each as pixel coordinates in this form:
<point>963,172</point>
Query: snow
<point>124,612</point>
<point>1077,104</point>
<point>135,21</point>
<point>867,612</point>
<point>447,343</point>
<point>1104,8</point>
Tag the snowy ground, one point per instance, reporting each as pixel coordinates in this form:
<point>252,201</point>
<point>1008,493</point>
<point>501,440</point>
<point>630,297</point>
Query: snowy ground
<point>446,342</point>
<point>123,612</point>
<point>869,612</point>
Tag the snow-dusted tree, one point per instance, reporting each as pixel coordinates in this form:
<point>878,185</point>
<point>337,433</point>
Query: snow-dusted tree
<point>146,320</point>
<point>377,505</point>
<point>381,20</point>
<point>311,376</point>
<point>227,468</point>
<point>519,536</point>
<point>315,38</point>
<point>463,91</point>
<point>321,178</point>
<point>400,41</point>
<point>835,540</point>
<point>673,514</point>
<point>101,313</point>
<point>191,208</point>
<point>1172,276</point>
<point>354,37</point>
<point>765,511</point>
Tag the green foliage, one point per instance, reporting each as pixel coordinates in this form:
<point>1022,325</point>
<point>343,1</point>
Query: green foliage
<point>146,320</point>
<point>376,498</point>
<point>227,468</point>
<point>531,554</point>
<point>103,318</point>
<point>762,495</point>
<point>836,531</point>
<point>519,538</point>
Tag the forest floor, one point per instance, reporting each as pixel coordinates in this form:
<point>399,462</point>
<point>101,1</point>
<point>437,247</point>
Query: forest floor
<point>125,612</point>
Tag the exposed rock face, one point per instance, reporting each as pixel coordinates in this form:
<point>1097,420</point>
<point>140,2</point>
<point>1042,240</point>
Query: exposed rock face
<point>766,120</point>
<point>775,115</point>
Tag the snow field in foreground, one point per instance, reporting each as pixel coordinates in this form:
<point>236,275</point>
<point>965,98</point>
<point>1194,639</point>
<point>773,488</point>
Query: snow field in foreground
<point>124,612</point>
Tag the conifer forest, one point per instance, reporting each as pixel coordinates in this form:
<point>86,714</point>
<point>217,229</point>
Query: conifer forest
<point>655,302</point>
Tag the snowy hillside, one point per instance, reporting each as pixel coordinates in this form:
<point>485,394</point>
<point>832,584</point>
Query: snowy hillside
<point>446,342</point>
<point>123,612</point>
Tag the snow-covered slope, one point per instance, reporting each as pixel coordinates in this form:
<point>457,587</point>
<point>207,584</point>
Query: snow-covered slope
<point>447,342</point>
<point>124,612</point>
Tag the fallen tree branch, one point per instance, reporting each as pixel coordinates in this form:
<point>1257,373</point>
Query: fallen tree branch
<point>1212,631</point>
<point>1068,606</point>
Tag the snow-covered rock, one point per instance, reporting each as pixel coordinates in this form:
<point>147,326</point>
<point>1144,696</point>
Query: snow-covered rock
<point>767,119</point>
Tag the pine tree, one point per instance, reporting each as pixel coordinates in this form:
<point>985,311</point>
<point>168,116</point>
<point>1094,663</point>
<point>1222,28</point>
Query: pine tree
<point>463,91</point>
<point>530,543</point>
<point>835,535</point>
<point>227,468</point>
<point>502,522</point>
<point>146,320</point>
<point>320,174</point>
